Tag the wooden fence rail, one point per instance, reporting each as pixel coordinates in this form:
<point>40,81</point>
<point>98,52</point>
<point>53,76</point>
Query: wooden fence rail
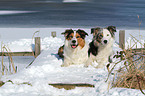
<point>122,39</point>
<point>35,53</point>
<point>122,43</point>
<point>16,54</point>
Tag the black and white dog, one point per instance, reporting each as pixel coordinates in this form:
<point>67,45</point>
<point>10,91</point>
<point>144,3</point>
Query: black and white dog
<point>75,49</point>
<point>100,49</point>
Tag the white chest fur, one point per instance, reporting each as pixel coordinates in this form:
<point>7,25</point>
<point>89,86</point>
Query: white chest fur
<point>102,57</point>
<point>75,56</point>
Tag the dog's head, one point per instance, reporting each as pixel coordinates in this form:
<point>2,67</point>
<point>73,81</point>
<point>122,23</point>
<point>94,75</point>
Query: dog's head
<point>75,38</point>
<point>102,36</point>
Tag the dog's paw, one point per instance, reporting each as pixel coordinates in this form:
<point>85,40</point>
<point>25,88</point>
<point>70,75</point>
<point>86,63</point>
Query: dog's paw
<point>64,65</point>
<point>100,65</point>
<point>86,66</point>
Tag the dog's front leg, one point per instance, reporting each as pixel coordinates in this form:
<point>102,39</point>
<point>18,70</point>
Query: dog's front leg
<point>66,63</point>
<point>102,63</point>
<point>88,62</point>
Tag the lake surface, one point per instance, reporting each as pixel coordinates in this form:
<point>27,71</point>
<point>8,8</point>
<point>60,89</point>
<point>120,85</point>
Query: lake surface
<point>56,13</point>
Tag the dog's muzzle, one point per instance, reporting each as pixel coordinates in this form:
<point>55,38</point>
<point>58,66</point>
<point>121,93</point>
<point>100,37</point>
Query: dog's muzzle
<point>74,45</point>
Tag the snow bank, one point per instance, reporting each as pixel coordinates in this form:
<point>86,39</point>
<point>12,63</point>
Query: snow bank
<point>46,69</point>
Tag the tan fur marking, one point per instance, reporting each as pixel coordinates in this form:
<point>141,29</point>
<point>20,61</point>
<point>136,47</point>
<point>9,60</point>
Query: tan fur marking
<point>81,41</point>
<point>60,49</point>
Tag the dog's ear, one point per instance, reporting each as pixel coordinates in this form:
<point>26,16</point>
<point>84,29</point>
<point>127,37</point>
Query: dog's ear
<point>95,31</point>
<point>82,33</point>
<point>67,32</point>
<point>112,30</point>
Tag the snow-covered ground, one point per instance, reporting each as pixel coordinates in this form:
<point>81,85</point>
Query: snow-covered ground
<point>46,67</point>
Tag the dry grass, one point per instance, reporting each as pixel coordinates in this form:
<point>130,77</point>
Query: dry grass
<point>24,83</point>
<point>131,73</point>
<point>2,83</point>
<point>12,67</point>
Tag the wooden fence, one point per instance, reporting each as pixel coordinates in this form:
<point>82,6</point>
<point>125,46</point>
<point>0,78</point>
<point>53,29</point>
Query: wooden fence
<point>35,53</point>
<point>122,39</point>
<point>53,34</point>
<point>122,43</point>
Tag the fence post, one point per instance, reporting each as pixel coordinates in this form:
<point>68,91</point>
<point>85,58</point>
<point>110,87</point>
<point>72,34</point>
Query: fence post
<point>144,45</point>
<point>122,39</point>
<point>37,46</point>
<point>53,34</point>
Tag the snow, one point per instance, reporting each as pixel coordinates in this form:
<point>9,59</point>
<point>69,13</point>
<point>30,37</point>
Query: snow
<point>46,67</point>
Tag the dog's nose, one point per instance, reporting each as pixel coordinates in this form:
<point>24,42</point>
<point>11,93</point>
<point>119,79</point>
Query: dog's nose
<point>105,41</point>
<point>74,41</point>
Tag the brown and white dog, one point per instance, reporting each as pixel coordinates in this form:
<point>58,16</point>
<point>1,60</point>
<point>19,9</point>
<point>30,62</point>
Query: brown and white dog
<point>75,49</point>
<point>100,49</point>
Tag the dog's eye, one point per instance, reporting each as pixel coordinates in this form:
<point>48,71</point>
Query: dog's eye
<point>78,37</point>
<point>101,35</point>
<point>107,34</point>
<point>71,36</point>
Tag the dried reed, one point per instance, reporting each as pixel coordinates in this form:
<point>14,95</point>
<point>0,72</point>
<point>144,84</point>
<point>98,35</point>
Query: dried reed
<point>11,63</point>
<point>131,73</point>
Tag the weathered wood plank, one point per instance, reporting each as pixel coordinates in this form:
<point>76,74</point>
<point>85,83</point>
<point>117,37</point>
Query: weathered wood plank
<point>53,34</point>
<point>70,86</point>
<point>16,53</point>
<point>122,39</point>
<point>36,53</point>
<point>37,46</point>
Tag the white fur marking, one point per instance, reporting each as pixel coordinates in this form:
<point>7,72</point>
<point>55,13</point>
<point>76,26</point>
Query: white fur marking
<point>104,51</point>
<point>74,56</point>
